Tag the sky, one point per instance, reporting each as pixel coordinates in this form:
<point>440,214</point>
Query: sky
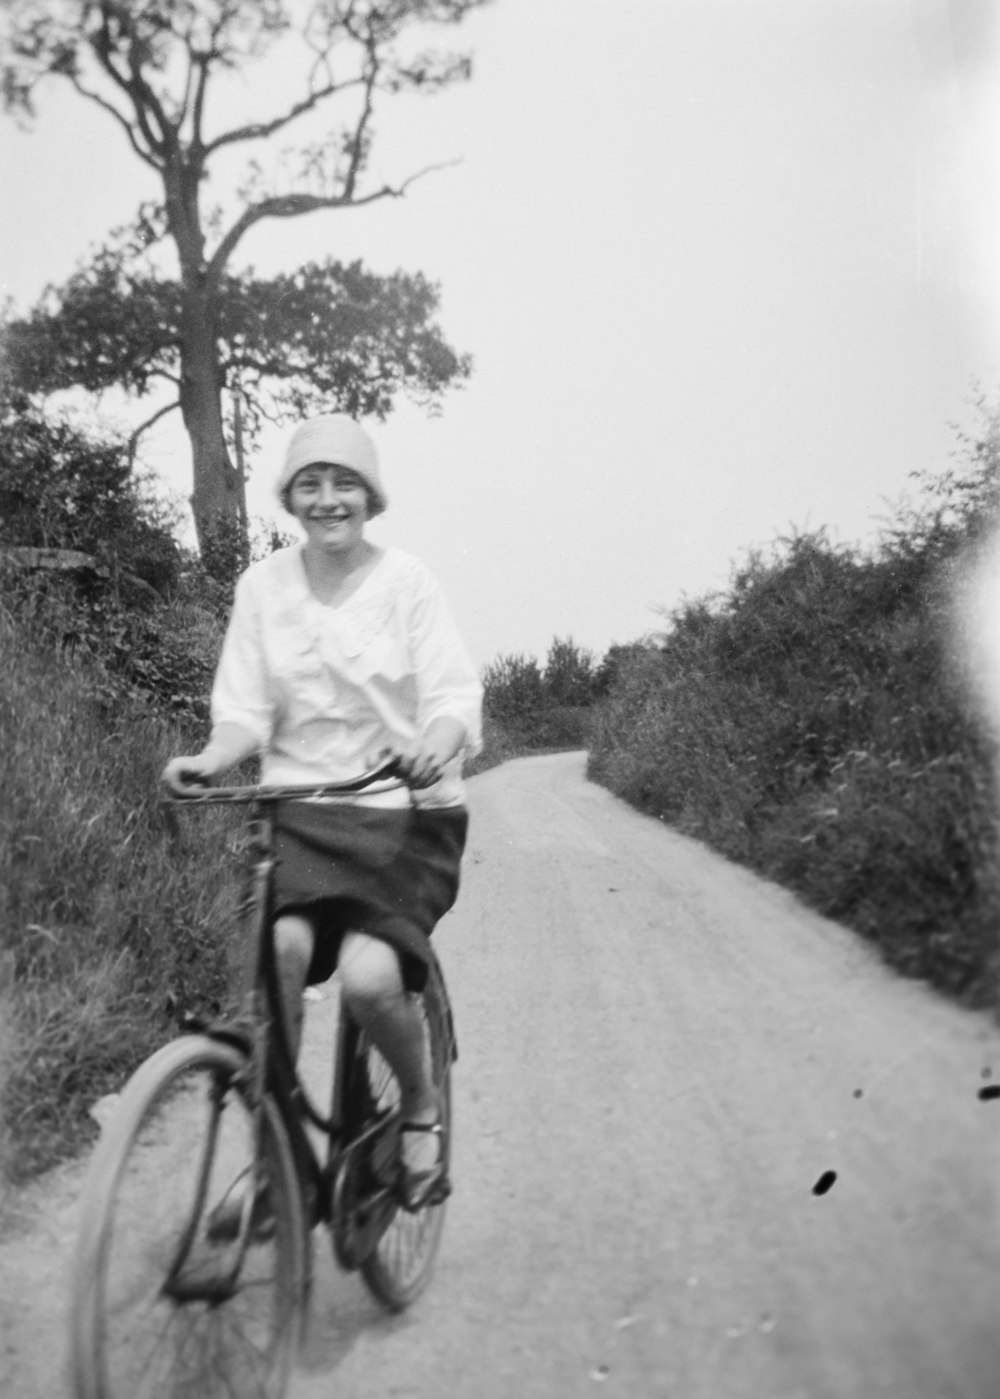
<point>726,270</point>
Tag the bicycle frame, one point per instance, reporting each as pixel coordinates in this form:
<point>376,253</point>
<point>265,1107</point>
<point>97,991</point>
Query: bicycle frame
<point>260,1028</point>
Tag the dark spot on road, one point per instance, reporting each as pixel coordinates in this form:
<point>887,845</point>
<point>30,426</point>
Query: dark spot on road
<point>824,1182</point>
<point>987,1072</point>
<point>859,1092</point>
<point>992,1091</point>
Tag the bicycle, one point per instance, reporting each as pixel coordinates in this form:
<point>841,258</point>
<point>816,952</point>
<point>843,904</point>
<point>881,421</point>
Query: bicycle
<point>216,1121</point>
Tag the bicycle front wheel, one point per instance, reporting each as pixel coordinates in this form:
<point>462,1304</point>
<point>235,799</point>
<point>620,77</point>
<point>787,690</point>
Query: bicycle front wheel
<point>399,1266</point>
<point>166,1302</point>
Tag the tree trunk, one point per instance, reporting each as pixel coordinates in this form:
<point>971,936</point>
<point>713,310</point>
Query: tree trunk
<point>215,493</point>
<point>215,496</point>
<point>241,467</point>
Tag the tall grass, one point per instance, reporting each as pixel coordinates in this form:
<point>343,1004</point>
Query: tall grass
<point>108,928</point>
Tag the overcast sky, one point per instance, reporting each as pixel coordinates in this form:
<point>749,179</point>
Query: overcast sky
<point>724,267</point>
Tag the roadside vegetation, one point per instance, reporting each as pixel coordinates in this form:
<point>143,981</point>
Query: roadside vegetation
<point>110,929</point>
<point>532,708</point>
<point>814,722</point>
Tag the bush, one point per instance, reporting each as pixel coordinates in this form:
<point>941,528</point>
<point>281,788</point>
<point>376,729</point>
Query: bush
<point>62,489</point>
<point>498,747</point>
<point>512,687</point>
<point>110,930</point>
<point>568,681</point>
<point>811,723</point>
<point>541,710</point>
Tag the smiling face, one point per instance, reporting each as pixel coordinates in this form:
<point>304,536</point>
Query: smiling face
<point>332,505</point>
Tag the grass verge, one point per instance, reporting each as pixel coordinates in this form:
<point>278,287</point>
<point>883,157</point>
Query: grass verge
<point>110,928</point>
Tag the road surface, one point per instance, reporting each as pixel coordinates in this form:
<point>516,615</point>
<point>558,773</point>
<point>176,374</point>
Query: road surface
<point>661,1059</point>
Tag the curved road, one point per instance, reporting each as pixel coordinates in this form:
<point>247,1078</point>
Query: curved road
<point>661,1057</point>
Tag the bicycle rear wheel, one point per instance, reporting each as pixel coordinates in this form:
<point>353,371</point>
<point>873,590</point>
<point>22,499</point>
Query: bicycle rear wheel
<point>160,1305</point>
<point>399,1266</point>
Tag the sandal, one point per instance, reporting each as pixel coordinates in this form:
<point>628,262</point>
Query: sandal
<point>422,1185</point>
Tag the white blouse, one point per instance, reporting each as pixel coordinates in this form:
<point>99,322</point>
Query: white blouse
<point>326,689</point>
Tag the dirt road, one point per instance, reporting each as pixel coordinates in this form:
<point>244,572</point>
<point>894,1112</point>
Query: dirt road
<point>661,1057</point>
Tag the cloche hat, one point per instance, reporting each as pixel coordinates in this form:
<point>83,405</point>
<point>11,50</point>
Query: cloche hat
<point>334,439</point>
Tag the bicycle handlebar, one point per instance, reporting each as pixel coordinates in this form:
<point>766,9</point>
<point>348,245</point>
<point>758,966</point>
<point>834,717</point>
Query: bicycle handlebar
<point>217,796</point>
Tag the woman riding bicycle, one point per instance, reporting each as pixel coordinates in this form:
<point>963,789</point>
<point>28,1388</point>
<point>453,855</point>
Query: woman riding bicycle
<point>337,651</point>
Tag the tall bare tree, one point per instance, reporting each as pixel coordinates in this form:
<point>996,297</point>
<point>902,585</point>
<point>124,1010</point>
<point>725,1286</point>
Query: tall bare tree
<point>149,65</point>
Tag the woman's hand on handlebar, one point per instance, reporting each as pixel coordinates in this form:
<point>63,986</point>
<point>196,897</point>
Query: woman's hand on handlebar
<point>423,761</point>
<point>417,768</point>
<point>188,775</point>
<point>228,745</point>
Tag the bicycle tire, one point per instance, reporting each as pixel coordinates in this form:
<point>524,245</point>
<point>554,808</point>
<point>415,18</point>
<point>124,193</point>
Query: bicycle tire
<point>399,1267</point>
<point>159,1308</point>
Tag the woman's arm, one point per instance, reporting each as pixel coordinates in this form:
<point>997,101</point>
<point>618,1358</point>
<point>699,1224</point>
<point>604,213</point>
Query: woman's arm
<point>230,743</point>
<point>449,689</point>
<point>241,710</point>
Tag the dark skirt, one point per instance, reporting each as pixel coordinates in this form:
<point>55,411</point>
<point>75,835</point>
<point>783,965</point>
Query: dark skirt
<point>388,872</point>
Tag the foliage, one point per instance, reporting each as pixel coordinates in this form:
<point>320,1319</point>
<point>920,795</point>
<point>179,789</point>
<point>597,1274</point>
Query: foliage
<point>154,67</point>
<point>812,723</point>
<point>956,508</point>
<point>110,931</point>
<point>63,489</point>
<point>498,747</point>
<point>512,686</point>
<point>539,708</point>
<point>569,674</point>
<point>613,661</point>
<point>152,624</point>
<point>149,626</point>
<point>328,336</point>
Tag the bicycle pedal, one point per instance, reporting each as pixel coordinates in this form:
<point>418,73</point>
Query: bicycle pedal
<point>436,1195</point>
<point>225,1220</point>
<point>440,1192</point>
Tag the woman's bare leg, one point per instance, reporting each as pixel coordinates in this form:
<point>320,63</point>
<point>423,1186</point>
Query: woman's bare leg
<point>373,985</point>
<point>293,949</point>
<point>293,946</point>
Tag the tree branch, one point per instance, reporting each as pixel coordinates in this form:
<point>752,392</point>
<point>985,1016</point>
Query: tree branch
<point>133,440</point>
<point>358,144</point>
<point>257,131</point>
<point>104,49</point>
<point>125,124</point>
<point>103,46</point>
<point>174,379</point>
<point>145,100</point>
<point>202,61</point>
<point>188,83</point>
<point>289,206</point>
